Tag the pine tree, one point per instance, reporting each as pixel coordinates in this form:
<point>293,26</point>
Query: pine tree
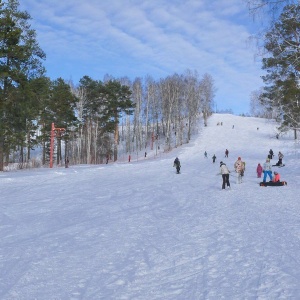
<point>20,61</point>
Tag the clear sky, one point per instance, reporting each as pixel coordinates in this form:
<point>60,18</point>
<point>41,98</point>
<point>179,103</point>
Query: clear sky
<point>136,38</point>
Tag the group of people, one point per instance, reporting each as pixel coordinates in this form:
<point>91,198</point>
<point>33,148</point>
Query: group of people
<point>214,156</point>
<point>280,157</point>
<point>240,166</point>
<point>266,169</point>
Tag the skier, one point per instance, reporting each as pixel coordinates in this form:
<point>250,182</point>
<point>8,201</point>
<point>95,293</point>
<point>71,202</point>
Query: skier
<point>239,169</point>
<point>205,154</point>
<point>214,158</point>
<point>177,165</point>
<point>259,170</point>
<point>226,153</point>
<point>267,169</point>
<point>225,175</point>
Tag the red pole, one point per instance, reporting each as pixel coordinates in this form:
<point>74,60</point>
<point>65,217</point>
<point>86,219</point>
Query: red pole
<point>52,144</point>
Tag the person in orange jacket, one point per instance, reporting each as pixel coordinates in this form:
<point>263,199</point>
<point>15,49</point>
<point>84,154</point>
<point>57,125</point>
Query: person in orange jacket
<point>276,177</point>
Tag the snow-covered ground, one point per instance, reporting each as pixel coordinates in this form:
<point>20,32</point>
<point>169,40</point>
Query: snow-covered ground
<point>139,231</point>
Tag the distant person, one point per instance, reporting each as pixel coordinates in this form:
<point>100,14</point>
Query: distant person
<point>271,154</point>
<point>177,165</point>
<point>239,169</point>
<point>259,170</point>
<point>214,158</point>
<point>280,157</point>
<point>276,177</point>
<point>232,126</point>
<point>225,175</point>
<point>267,170</point>
<point>205,154</point>
<point>226,153</point>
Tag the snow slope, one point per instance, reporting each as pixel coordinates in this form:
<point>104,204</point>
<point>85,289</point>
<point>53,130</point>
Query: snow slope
<point>139,231</point>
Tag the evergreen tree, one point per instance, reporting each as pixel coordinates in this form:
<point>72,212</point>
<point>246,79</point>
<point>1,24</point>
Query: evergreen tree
<point>20,61</point>
<point>118,99</point>
<point>283,66</point>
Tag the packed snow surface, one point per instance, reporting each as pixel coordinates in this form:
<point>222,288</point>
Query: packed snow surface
<point>139,231</point>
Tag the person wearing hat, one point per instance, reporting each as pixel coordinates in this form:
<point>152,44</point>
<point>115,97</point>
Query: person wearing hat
<point>239,169</point>
<point>225,175</point>
<point>276,177</point>
<point>267,170</point>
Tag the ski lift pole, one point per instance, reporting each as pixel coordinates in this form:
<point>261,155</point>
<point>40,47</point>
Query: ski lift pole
<point>53,133</point>
<point>52,144</point>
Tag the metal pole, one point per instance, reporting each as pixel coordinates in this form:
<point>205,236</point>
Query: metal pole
<point>52,144</point>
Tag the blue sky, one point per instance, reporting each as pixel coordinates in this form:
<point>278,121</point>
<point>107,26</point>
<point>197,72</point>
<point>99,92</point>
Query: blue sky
<point>136,38</point>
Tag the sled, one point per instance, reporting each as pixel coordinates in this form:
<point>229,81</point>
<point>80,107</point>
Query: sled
<point>271,183</point>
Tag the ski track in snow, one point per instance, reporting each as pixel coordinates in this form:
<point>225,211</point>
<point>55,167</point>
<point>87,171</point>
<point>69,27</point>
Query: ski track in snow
<point>139,231</point>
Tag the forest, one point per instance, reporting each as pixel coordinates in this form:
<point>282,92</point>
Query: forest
<point>96,120</point>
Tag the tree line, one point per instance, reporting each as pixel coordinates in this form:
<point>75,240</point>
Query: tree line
<point>96,115</point>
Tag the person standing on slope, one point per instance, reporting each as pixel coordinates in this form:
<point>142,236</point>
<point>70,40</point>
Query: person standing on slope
<point>267,169</point>
<point>177,165</point>
<point>239,169</point>
<point>259,170</point>
<point>225,175</point>
<point>226,153</point>
<point>214,158</point>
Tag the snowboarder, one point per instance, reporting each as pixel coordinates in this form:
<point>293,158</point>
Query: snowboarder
<point>267,169</point>
<point>239,169</point>
<point>177,165</point>
<point>276,177</point>
<point>214,158</point>
<point>259,170</point>
<point>226,153</point>
<point>225,175</point>
<point>280,157</point>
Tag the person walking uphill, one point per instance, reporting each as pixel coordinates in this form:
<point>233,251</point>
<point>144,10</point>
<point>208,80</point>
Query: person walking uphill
<point>214,158</point>
<point>177,165</point>
<point>225,175</point>
<point>267,169</point>
<point>239,169</point>
<point>226,153</point>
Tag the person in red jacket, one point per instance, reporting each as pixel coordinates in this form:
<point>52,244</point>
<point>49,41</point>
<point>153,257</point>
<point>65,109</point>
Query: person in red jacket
<point>259,170</point>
